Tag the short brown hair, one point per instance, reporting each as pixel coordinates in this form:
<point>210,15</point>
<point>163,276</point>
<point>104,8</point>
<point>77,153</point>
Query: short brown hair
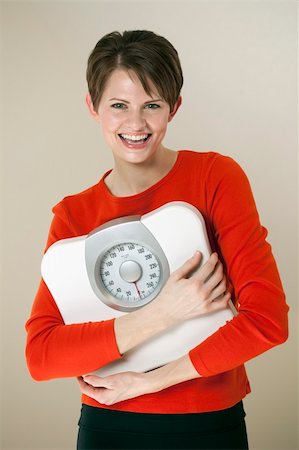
<point>148,55</point>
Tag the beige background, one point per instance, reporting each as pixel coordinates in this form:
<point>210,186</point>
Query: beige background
<point>240,98</point>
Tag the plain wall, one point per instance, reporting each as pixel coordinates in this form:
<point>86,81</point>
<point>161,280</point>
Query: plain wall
<point>239,98</point>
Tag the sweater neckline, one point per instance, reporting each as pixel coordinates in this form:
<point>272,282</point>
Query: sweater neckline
<point>147,192</point>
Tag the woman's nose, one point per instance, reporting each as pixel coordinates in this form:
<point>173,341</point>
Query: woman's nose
<point>136,120</point>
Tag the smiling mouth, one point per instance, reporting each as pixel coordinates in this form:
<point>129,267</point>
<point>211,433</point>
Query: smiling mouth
<point>133,139</point>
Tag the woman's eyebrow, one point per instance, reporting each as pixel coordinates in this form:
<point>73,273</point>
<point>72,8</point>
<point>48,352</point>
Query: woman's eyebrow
<point>126,101</point>
<point>155,100</point>
<point>118,100</point>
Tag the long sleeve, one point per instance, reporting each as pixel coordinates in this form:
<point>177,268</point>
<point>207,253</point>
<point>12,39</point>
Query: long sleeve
<point>56,350</point>
<point>262,319</point>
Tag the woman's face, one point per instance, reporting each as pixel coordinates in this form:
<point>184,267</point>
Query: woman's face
<point>133,123</point>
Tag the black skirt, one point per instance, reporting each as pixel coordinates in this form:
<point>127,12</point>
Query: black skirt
<point>106,429</point>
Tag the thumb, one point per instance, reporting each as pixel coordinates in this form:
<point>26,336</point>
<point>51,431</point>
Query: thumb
<point>96,381</point>
<point>189,266</point>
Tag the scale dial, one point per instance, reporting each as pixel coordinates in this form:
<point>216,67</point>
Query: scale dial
<point>125,264</point>
<point>130,272</point>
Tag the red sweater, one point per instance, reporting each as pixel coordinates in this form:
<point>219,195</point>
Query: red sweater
<point>219,189</point>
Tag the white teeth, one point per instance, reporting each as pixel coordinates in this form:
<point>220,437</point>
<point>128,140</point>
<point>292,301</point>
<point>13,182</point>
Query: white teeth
<point>133,137</point>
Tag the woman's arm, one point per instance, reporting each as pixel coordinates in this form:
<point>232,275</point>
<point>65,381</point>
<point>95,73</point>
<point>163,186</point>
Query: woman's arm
<point>262,322</point>
<point>187,294</point>
<point>56,350</point>
<point>126,385</point>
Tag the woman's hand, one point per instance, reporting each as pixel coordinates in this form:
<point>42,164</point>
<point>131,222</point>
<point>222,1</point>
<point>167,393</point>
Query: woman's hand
<point>114,388</point>
<point>123,386</point>
<point>189,292</point>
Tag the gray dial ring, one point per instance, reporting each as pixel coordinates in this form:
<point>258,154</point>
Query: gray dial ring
<point>112,234</point>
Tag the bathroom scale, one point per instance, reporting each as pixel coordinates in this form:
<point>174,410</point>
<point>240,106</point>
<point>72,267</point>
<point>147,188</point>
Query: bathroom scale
<point>121,266</point>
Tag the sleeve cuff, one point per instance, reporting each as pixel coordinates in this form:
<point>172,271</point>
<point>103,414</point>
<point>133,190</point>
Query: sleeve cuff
<point>111,344</point>
<point>198,364</point>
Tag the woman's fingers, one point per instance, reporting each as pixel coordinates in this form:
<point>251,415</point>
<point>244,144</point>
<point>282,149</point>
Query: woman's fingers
<point>188,267</point>
<point>219,290</point>
<point>96,393</point>
<point>215,277</point>
<point>207,270</point>
<point>94,380</point>
<point>221,303</point>
<point>85,387</point>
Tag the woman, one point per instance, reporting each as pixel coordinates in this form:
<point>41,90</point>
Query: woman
<point>134,82</point>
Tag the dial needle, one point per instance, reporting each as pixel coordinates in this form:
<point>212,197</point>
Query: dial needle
<point>137,289</point>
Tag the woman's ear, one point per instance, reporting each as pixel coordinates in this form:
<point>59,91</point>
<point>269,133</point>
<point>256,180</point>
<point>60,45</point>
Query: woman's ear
<point>91,109</point>
<point>175,108</point>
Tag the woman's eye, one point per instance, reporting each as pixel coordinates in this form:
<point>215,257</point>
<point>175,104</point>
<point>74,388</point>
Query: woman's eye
<point>118,106</point>
<point>152,106</point>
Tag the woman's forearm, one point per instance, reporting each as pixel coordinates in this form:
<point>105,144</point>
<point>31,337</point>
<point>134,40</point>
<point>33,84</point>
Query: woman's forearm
<point>134,328</point>
<point>172,373</point>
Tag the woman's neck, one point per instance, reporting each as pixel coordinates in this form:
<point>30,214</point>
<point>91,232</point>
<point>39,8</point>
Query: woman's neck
<point>131,179</point>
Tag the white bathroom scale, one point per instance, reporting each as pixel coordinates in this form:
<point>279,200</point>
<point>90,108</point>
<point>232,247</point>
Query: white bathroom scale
<point>121,266</point>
